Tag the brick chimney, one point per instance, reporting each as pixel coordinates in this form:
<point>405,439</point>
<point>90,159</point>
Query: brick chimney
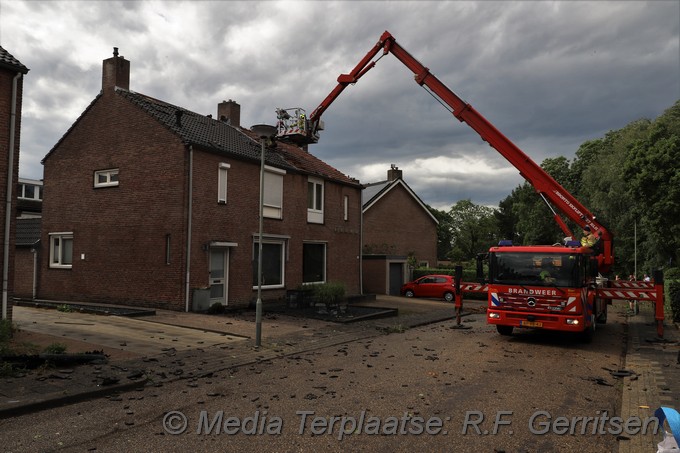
<point>393,173</point>
<point>230,112</point>
<point>116,72</point>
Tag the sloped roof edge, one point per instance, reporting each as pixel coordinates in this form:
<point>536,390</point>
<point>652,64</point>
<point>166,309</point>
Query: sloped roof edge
<point>370,203</point>
<point>68,131</point>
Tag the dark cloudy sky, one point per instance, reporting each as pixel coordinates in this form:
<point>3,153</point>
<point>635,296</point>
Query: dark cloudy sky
<point>549,75</point>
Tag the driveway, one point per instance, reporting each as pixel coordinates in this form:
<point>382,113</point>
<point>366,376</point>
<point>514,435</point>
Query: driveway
<point>132,335</point>
<point>125,337</point>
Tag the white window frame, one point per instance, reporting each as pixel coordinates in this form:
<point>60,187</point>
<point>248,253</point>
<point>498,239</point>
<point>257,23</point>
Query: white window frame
<point>315,211</point>
<point>222,176</point>
<point>108,174</point>
<point>273,192</point>
<point>325,262</point>
<point>37,190</point>
<point>57,245</point>
<point>282,270</point>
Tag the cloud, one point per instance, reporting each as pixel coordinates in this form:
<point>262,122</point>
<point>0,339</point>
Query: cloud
<point>548,75</point>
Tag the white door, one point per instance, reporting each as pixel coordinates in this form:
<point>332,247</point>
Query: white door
<point>219,271</point>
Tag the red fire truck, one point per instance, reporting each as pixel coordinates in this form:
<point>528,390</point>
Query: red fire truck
<point>555,287</point>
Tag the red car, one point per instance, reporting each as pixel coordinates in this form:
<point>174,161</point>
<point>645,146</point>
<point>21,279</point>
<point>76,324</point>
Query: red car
<point>433,286</point>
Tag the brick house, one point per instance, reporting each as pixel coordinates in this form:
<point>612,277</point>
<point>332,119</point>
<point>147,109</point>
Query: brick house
<point>146,203</point>
<point>11,97</point>
<point>397,228</point>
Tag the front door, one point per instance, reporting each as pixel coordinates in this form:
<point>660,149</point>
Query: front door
<point>219,272</point>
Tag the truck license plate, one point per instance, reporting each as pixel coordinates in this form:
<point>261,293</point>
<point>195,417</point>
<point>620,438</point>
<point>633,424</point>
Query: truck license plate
<point>531,324</point>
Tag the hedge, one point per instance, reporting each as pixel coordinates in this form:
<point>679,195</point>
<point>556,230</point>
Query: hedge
<point>673,295</point>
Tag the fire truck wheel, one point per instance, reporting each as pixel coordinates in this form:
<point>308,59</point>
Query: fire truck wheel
<point>448,297</point>
<point>589,333</point>
<point>504,330</point>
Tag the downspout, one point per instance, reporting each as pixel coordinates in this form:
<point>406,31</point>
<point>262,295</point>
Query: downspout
<point>361,244</point>
<point>8,207</point>
<point>189,211</point>
<point>34,250</point>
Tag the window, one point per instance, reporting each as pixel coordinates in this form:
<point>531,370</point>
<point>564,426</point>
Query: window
<point>29,191</point>
<point>106,178</point>
<point>222,183</point>
<point>315,200</point>
<point>61,250</point>
<point>273,193</point>
<point>313,263</point>
<point>345,211</point>
<point>273,263</point>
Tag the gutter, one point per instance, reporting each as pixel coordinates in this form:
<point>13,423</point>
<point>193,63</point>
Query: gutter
<point>8,201</point>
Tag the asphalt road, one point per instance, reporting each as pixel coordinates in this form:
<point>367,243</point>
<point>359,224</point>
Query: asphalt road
<point>429,388</point>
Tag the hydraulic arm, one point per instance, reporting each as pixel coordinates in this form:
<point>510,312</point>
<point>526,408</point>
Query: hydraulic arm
<point>549,189</point>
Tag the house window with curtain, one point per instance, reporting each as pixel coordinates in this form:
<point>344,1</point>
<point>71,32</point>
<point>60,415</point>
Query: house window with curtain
<point>222,183</point>
<point>273,193</point>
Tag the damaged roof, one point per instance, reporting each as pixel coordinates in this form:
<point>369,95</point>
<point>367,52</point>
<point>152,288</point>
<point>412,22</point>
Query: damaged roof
<point>213,135</point>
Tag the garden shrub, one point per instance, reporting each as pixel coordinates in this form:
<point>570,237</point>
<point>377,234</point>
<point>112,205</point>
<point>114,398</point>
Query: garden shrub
<point>330,293</point>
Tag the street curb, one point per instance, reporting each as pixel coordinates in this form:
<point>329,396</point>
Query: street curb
<point>52,400</point>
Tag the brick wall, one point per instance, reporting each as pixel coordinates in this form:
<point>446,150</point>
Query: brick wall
<point>237,221</point>
<point>23,272</point>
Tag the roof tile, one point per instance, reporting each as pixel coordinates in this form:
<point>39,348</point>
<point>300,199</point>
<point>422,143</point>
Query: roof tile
<point>8,61</point>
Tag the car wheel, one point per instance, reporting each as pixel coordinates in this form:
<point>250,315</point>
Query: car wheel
<point>409,293</point>
<point>448,297</point>
<point>504,330</point>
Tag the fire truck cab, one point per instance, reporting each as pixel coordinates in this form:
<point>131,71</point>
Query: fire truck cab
<point>546,287</point>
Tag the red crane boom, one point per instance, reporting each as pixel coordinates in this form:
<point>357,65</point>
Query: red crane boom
<point>543,183</point>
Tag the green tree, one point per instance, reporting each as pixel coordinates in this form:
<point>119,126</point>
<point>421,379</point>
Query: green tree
<point>604,189</point>
<point>444,237</point>
<point>523,215</point>
<point>653,175</point>
<point>474,229</point>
